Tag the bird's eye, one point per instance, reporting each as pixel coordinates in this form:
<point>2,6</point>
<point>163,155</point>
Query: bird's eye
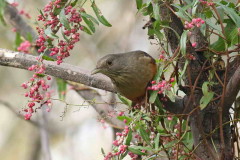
<point>109,63</point>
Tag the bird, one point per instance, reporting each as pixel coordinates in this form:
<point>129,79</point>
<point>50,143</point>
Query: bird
<point>129,72</point>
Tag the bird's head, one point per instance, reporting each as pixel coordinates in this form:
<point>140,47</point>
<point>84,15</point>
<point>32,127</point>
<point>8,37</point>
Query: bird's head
<point>110,65</point>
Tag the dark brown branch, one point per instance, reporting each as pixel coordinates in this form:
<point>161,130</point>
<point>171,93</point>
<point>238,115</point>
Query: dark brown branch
<point>232,90</point>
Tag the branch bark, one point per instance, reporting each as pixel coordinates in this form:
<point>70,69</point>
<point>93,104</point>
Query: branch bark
<point>13,17</point>
<point>64,71</point>
<point>232,90</point>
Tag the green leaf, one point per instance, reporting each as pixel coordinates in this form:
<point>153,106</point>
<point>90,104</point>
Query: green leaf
<point>99,15</point>
<point>2,8</point>
<point>184,69</point>
<point>62,88</point>
<point>64,36</point>
<point>40,75</point>
<point>86,30</point>
<point>135,151</point>
<point>231,32</point>
<point>18,40</point>
<point>183,42</point>
<point>214,26</point>
<point>139,4</point>
<point>160,106</point>
<point>165,26</point>
<point>194,8</point>
<point>170,144</point>
<point>219,45</point>
<point>74,3</point>
<point>47,58</point>
<point>147,9</point>
<point>50,34</point>
<point>142,148</point>
<point>125,100</point>
<point>144,135</point>
<point>156,141</point>
<point>153,96</point>
<point>207,95</point>
<point>156,13</point>
<point>183,16</point>
<point>158,34</point>
<point>220,12</point>
<point>29,37</point>
<point>232,13</point>
<point>128,138</point>
<point>205,88</point>
<point>89,17</point>
<point>57,10</point>
<point>123,155</point>
<point>182,12</point>
<point>89,24</point>
<point>63,19</point>
<point>206,99</point>
<point>103,153</point>
<point>233,37</point>
<point>208,14</point>
<point>170,95</point>
<point>121,118</point>
<point>188,140</point>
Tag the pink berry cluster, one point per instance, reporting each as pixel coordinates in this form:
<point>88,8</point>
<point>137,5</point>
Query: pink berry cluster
<point>196,22</point>
<point>69,30</point>
<point>162,56</point>
<point>161,86</point>
<point>24,47</point>
<point>37,92</point>
<point>119,142</point>
<point>204,2</point>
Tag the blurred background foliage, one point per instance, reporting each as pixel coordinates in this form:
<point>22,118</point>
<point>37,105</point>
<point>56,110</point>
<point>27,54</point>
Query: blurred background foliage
<point>79,134</point>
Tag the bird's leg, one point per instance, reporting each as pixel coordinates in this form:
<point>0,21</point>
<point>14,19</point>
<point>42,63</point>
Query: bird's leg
<point>146,102</point>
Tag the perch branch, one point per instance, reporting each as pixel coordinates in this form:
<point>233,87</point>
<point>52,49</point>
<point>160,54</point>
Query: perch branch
<point>64,71</point>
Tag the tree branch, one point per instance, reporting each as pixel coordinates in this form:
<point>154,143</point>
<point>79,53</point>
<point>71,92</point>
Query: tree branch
<point>13,17</point>
<point>104,109</point>
<point>64,71</point>
<point>232,90</point>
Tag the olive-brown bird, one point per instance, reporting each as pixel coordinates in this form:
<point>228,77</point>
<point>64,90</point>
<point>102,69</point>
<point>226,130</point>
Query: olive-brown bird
<point>130,72</point>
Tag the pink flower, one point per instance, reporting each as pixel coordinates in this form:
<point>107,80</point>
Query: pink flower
<point>24,47</point>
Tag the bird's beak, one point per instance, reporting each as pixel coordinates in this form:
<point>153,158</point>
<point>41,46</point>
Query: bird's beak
<point>95,71</point>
